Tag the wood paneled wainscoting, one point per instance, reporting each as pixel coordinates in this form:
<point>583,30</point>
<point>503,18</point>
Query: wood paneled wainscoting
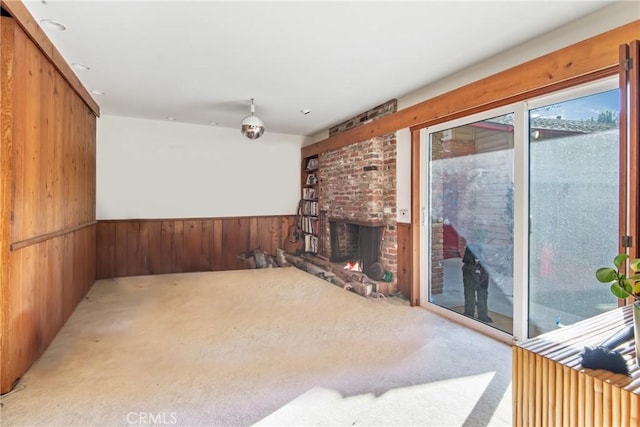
<point>405,255</point>
<point>140,247</point>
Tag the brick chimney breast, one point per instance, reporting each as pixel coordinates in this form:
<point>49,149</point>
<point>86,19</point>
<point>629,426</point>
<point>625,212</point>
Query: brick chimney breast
<point>358,183</point>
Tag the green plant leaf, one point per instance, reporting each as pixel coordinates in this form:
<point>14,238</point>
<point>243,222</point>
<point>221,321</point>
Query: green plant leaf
<point>606,274</point>
<point>636,289</point>
<point>618,260</point>
<point>619,292</point>
<point>635,264</point>
<point>627,285</point>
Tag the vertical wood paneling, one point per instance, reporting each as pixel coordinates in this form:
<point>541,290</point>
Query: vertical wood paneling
<point>19,135</point>
<point>154,228</point>
<point>105,239</point>
<point>139,247</point>
<point>48,255</point>
<point>167,250</point>
<point>28,198</point>
<point>207,244</point>
<point>121,249</point>
<point>7,296</point>
<point>264,234</point>
<point>30,299</point>
<point>235,239</point>
<point>56,152</point>
<point>195,254</point>
<point>55,292</point>
<point>180,256</point>
<point>216,256</point>
<point>404,259</point>
<point>47,147</point>
<point>133,236</point>
<point>69,275</point>
<point>253,233</point>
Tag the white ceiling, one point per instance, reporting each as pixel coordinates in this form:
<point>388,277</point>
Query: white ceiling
<point>202,61</point>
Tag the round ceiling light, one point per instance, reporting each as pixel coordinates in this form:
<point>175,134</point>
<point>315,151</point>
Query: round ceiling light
<point>251,126</point>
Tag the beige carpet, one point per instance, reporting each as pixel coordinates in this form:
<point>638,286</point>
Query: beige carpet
<point>273,347</point>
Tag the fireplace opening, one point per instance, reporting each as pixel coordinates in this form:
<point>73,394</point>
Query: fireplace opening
<point>355,242</point>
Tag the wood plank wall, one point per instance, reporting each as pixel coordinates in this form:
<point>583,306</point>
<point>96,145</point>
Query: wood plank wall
<point>141,247</point>
<point>47,211</point>
<point>405,256</point>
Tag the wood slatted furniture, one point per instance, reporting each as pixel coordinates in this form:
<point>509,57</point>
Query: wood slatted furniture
<point>551,388</point>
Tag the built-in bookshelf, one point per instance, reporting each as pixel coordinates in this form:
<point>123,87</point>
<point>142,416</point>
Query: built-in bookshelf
<point>309,209</point>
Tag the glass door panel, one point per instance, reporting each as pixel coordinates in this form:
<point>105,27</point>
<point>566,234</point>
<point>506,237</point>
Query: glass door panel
<point>471,220</point>
<point>573,203</point>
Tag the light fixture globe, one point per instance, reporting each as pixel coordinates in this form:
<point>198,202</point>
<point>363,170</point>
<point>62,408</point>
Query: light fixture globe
<point>251,126</point>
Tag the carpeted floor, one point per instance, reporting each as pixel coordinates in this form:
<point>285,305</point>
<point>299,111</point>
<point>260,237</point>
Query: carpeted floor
<point>273,347</point>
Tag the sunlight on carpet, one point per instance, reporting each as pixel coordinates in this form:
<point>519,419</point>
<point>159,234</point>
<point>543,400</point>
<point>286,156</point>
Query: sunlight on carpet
<point>446,402</point>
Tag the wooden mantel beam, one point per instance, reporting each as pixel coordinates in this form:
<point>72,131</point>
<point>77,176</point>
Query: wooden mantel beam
<point>596,55</point>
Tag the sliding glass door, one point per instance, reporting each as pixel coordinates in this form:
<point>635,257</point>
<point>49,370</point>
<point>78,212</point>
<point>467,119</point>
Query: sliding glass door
<point>471,219</point>
<point>574,206</point>
<point>520,207</point>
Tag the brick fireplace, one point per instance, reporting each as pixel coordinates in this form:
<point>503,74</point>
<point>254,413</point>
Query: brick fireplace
<point>357,191</point>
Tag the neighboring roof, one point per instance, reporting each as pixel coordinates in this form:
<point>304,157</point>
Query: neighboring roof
<point>559,124</point>
<point>581,126</point>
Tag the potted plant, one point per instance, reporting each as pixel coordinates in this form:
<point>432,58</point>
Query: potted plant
<point>623,287</point>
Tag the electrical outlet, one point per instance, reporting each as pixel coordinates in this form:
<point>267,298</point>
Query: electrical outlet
<point>404,213</point>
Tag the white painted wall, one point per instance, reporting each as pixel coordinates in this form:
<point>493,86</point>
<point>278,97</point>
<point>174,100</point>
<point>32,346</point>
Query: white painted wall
<point>403,175</point>
<point>157,169</point>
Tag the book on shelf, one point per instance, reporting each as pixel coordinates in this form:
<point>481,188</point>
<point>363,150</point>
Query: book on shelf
<point>309,193</point>
<point>312,179</point>
<point>312,164</point>
<point>310,225</point>
<point>310,208</point>
<point>310,243</point>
